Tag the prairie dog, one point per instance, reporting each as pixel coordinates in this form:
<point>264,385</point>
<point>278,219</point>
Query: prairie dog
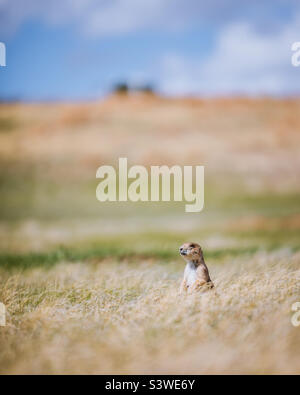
<point>196,274</point>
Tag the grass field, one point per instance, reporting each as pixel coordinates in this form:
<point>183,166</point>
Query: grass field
<point>93,288</point>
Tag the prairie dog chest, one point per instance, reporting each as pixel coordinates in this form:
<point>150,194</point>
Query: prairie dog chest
<point>190,274</point>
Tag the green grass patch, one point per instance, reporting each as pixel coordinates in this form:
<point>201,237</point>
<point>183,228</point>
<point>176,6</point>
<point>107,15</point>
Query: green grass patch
<point>271,238</point>
<point>64,254</point>
<point>8,124</point>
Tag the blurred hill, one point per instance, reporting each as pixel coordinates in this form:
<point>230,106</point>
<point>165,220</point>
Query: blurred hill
<point>257,140</point>
<point>49,154</point>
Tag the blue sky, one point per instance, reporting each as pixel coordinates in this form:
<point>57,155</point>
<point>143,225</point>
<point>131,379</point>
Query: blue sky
<point>76,50</point>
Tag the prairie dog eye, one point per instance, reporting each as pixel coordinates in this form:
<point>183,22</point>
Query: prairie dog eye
<point>192,246</point>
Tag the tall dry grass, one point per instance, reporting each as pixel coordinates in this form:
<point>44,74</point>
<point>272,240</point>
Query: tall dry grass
<point>128,318</point>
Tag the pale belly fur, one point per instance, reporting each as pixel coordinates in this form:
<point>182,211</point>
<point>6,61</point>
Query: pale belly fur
<point>190,275</point>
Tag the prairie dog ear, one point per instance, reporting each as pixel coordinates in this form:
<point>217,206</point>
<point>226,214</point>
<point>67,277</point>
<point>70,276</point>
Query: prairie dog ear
<point>200,251</point>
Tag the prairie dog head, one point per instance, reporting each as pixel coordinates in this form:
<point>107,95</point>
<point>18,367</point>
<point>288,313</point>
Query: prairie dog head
<point>190,251</point>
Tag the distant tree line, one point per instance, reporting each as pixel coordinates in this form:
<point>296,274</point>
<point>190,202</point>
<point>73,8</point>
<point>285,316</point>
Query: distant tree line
<point>124,88</point>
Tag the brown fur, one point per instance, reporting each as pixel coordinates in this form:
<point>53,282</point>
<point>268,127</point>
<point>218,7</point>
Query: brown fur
<point>196,274</point>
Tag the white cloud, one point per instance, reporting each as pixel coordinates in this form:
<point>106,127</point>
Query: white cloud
<point>13,13</point>
<point>110,17</point>
<point>250,55</point>
<point>95,17</point>
<point>125,16</point>
<point>243,61</point>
